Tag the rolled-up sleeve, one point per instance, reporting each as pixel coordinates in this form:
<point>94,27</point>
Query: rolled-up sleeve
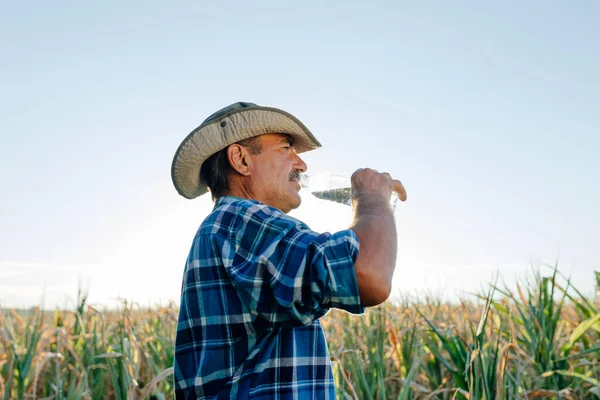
<point>284,273</point>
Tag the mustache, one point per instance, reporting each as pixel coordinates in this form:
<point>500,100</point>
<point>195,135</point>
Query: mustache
<point>294,175</point>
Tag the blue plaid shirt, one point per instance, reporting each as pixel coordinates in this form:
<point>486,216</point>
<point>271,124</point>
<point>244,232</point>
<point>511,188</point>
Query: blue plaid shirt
<point>254,287</point>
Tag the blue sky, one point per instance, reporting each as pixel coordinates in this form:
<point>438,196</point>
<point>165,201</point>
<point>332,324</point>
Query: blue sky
<point>487,113</point>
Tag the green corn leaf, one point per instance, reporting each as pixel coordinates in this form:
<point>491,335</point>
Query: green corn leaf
<point>405,391</point>
<point>500,308</point>
<point>587,379</point>
<point>580,330</point>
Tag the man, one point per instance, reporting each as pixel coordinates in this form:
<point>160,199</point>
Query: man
<point>257,281</point>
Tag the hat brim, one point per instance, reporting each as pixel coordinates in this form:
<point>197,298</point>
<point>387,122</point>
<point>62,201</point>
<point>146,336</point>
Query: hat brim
<point>210,138</point>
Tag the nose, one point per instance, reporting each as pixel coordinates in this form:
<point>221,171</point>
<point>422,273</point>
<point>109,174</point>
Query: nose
<point>300,165</point>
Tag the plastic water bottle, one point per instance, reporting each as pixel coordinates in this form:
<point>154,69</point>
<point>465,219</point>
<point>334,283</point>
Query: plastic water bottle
<point>335,188</point>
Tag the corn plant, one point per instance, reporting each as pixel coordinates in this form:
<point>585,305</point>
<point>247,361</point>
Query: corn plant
<point>538,339</point>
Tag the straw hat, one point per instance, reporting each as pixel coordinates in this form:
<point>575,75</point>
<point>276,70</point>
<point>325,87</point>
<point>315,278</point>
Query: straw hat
<point>229,125</point>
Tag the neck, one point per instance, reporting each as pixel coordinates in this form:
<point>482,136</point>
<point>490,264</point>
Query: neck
<point>240,189</point>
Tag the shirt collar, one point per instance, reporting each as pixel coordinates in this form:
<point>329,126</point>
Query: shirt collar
<point>224,200</point>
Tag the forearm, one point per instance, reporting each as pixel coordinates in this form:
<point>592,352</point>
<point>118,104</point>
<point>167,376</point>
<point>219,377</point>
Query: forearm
<point>376,230</point>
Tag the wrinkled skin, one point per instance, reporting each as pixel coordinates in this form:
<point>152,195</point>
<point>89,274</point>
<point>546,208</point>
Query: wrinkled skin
<point>272,176</point>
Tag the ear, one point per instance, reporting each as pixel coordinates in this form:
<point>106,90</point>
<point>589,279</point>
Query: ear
<point>240,159</point>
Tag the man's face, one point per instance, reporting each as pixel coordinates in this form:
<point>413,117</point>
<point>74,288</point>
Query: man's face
<point>275,173</point>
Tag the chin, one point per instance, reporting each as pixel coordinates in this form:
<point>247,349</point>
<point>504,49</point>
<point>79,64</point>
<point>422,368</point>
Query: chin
<point>297,204</point>
<point>293,203</point>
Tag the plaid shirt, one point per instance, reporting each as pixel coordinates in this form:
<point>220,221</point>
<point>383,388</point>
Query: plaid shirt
<point>255,284</point>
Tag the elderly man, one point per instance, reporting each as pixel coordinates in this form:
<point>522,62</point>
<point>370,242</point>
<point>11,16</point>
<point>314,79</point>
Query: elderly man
<point>256,280</point>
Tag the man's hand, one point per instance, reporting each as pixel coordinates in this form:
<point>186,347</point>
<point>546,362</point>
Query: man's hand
<point>376,230</point>
<point>369,182</point>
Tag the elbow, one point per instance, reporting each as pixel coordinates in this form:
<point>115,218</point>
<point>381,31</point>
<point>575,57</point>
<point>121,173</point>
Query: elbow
<point>375,298</point>
<point>373,289</point>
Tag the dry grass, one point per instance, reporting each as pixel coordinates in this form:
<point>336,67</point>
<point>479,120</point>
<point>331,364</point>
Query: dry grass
<point>541,341</point>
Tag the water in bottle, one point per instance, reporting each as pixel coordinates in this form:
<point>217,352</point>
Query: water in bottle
<point>335,188</point>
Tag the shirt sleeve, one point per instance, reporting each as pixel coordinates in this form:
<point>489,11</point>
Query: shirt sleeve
<point>285,273</point>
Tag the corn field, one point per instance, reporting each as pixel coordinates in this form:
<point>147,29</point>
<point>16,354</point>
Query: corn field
<point>540,340</point>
